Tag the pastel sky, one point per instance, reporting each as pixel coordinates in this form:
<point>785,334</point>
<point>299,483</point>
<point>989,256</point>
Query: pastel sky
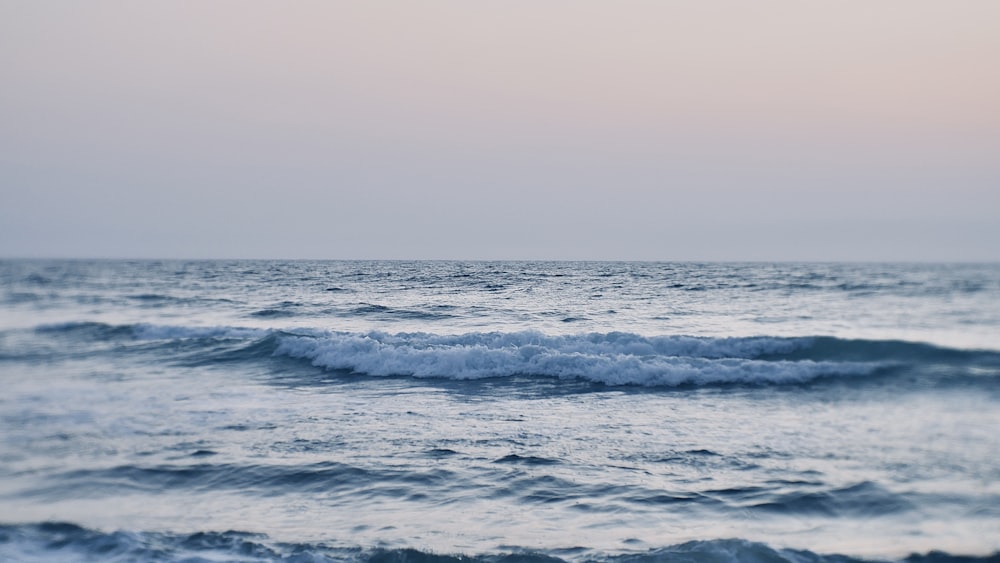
<point>515,129</point>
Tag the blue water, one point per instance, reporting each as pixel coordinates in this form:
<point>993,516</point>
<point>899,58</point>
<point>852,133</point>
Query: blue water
<point>498,411</point>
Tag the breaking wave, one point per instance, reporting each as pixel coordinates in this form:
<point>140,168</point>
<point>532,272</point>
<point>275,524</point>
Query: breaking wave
<point>611,359</point>
<point>615,358</point>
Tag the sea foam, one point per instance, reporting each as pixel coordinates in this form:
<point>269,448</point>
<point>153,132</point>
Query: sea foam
<point>612,359</point>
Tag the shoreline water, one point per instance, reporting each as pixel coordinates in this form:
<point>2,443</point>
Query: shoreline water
<point>333,410</point>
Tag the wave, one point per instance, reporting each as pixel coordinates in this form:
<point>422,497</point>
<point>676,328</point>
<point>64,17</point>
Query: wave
<point>384,312</point>
<point>614,358</point>
<point>517,483</point>
<point>610,359</point>
<point>66,541</point>
<point>328,478</point>
<point>142,331</point>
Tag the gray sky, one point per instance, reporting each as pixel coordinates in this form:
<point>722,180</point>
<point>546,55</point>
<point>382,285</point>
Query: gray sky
<point>548,129</point>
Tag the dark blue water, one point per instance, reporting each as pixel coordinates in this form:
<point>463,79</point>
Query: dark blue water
<point>437,411</point>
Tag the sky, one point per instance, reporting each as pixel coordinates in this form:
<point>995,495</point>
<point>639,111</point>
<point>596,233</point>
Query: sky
<point>515,129</point>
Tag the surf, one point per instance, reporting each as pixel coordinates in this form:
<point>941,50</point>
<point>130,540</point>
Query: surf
<point>609,359</point>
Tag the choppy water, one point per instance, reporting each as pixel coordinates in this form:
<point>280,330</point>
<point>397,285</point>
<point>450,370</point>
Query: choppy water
<point>501,411</point>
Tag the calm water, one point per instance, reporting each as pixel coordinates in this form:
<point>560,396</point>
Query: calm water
<point>502,411</point>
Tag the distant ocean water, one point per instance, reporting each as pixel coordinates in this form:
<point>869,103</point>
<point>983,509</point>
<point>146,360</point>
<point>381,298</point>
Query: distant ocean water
<point>498,411</point>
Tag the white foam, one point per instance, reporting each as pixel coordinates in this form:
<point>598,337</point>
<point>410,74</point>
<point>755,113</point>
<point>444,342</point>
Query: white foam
<point>614,359</point>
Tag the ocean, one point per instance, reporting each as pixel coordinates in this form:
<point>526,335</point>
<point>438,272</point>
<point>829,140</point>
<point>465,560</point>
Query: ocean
<point>498,411</point>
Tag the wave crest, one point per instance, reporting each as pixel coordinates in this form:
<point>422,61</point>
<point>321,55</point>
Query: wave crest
<point>611,359</point>
<point>615,358</point>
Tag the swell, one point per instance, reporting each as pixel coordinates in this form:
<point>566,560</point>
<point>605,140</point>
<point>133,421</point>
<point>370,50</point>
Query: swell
<point>614,358</point>
<point>327,478</point>
<point>61,540</point>
<point>511,478</point>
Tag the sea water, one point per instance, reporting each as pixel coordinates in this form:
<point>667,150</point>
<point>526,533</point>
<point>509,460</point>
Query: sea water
<point>498,411</point>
